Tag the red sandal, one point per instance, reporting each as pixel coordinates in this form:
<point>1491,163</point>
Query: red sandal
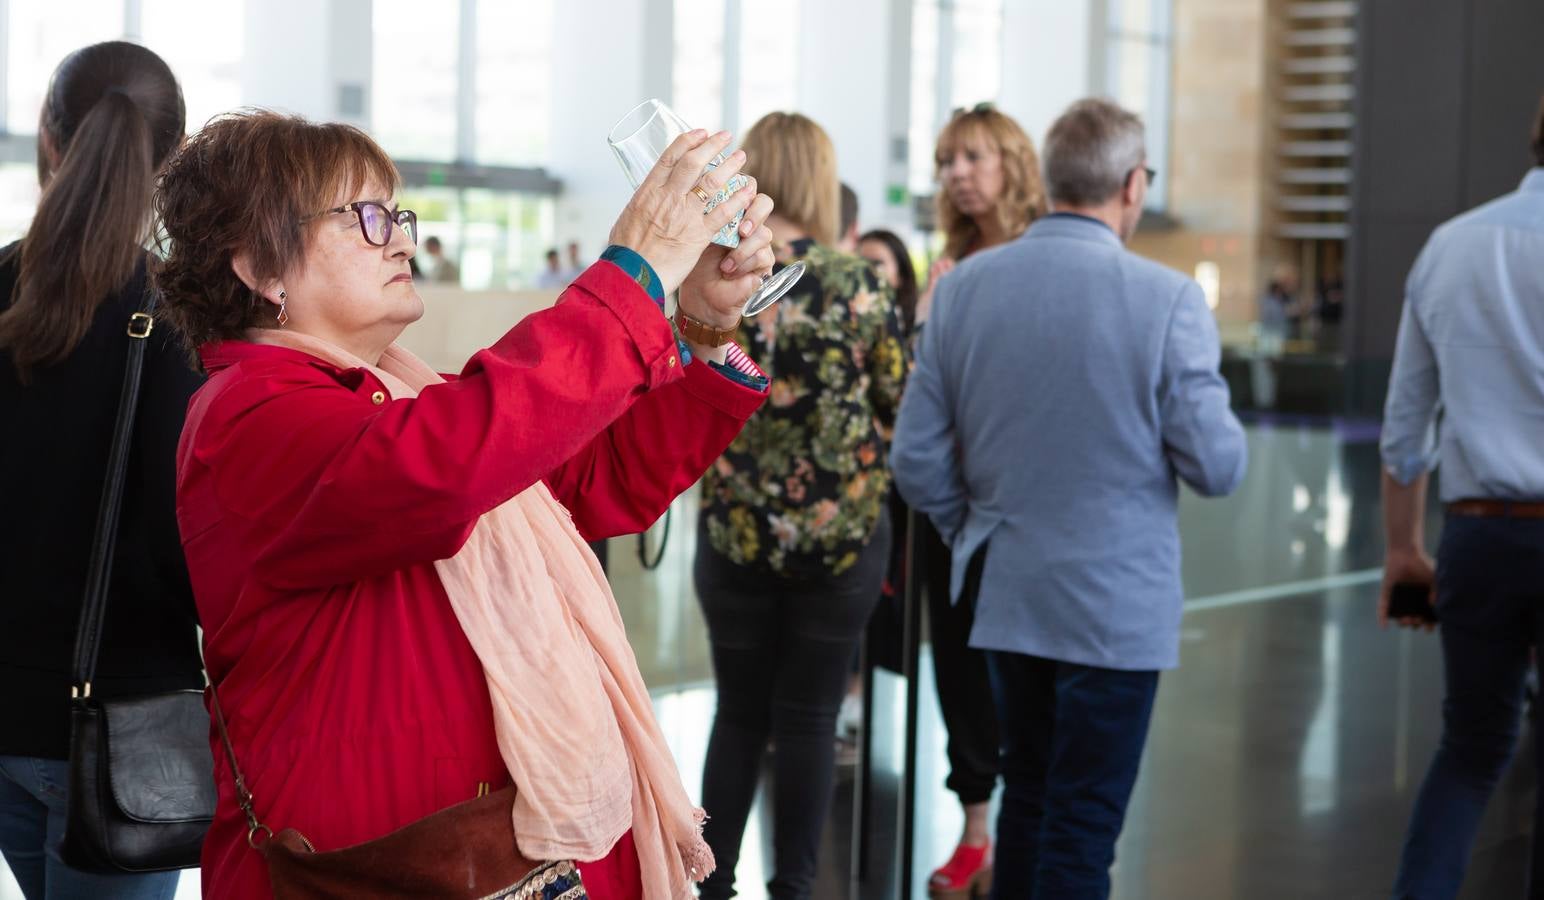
<point>966,876</point>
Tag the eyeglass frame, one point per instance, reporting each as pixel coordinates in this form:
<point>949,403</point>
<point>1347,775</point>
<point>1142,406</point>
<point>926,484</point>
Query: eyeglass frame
<point>391,217</point>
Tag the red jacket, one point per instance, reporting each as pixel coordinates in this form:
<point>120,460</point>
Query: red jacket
<point>312,507</point>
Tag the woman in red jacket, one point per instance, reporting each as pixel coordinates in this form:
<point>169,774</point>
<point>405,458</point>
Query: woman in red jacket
<point>398,614</point>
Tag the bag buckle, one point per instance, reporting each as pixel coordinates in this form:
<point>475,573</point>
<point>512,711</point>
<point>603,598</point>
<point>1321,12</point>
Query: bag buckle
<point>140,325</point>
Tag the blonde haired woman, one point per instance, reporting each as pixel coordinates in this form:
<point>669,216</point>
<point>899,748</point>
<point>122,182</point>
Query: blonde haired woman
<point>794,535</point>
<point>991,192</point>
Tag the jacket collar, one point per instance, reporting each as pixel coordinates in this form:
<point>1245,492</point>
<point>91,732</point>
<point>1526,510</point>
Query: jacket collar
<point>218,355</point>
<point>1533,182</point>
<point>1072,225</point>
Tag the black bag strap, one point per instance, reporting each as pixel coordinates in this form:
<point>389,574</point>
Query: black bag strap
<point>643,546</point>
<point>93,609</point>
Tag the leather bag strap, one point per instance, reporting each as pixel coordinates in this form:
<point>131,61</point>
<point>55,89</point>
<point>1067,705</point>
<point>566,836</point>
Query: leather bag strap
<point>93,609</point>
<point>243,796</point>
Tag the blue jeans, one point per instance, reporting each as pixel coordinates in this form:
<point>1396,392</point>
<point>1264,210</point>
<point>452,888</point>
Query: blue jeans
<point>1490,598</point>
<point>32,807</point>
<point>1072,741</point>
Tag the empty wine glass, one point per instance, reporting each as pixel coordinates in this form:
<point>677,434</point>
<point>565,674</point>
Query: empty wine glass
<point>641,137</point>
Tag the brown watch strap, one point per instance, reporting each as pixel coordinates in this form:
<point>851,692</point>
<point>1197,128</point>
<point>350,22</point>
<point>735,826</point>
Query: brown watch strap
<point>701,332</point>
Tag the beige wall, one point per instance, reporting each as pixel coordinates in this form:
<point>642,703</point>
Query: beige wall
<point>458,323</point>
<point>1219,161</point>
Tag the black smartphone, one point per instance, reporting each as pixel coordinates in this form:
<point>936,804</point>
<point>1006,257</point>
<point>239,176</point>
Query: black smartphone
<point>1409,600</point>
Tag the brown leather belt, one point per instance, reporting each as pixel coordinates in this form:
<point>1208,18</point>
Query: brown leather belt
<point>1497,509</point>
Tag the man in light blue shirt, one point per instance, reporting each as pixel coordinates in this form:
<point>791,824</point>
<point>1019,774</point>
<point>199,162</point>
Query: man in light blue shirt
<point>1468,391</point>
<point>1062,386</point>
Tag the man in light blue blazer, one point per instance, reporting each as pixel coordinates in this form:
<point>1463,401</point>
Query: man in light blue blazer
<point>1062,389</point>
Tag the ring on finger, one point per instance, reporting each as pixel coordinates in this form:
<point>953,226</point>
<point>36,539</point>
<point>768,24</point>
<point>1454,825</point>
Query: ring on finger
<point>702,195</point>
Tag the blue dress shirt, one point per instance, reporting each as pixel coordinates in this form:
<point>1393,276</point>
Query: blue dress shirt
<point>1471,346</point>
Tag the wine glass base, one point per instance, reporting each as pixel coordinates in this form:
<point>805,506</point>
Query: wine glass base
<point>773,289</point>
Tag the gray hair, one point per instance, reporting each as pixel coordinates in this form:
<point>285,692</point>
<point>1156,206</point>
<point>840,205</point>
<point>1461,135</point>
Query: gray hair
<point>1090,152</point>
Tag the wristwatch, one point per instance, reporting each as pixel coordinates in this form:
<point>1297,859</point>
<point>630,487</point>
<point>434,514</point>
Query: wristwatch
<point>701,332</point>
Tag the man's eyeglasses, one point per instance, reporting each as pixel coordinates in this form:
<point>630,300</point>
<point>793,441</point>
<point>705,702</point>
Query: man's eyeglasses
<point>1152,173</point>
<point>375,221</point>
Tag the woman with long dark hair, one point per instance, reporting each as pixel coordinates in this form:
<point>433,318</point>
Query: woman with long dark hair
<point>887,253</point>
<point>112,116</point>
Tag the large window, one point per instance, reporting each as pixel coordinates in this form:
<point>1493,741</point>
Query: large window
<point>1139,55</point>
<point>977,56</point>
<point>697,73</point>
<point>413,91</point>
<point>956,63</point>
<point>514,82</point>
<point>924,96</point>
<point>209,70</point>
<point>769,60</point>
<point>37,36</point>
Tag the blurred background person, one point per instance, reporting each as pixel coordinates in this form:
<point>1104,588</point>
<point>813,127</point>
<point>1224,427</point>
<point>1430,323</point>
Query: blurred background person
<point>1278,322</point>
<point>576,265</point>
<point>890,258</point>
<point>553,277</point>
<point>794,535</point>
<point>444,269</point>
<point>112,115</point>
<point>848,243</point>
<point>991,192</point>
<point>1280,311</point>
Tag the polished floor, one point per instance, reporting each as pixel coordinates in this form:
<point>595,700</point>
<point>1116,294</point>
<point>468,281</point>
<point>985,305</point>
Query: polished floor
<point>1285,752</point>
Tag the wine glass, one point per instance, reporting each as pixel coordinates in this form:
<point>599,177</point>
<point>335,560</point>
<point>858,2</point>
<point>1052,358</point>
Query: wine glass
<point>641,137</point>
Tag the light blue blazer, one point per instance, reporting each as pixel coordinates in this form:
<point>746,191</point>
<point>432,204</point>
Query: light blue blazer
<point>1063,386</point>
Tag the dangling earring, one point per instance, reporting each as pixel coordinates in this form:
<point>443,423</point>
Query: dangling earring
<point>283,313</point>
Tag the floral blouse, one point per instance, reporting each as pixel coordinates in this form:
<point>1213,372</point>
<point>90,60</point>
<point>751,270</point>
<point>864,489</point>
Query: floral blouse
<point>800,490</point>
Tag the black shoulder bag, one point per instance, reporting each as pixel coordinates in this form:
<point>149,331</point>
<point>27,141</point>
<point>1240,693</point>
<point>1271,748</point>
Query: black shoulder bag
<point>141,792</point>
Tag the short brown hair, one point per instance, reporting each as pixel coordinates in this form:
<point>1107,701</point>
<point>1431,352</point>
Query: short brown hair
<point>243,184</point>
<point>794,162</point>
<point>1023,197</point>
<point>1538,135</point>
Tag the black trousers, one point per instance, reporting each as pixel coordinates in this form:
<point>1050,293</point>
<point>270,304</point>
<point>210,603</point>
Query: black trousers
<point>1490,600</point>
<point>964,687</point>
<point>781,653</point>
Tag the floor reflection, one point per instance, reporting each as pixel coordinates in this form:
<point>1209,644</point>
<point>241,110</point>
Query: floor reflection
<point>1285,752</point>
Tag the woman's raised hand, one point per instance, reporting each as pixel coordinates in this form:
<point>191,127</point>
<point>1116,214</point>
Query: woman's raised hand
<point>716,291</point>
<point>664,221</point>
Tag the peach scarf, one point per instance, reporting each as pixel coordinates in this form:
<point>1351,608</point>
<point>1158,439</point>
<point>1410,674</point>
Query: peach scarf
<point>574,721</point>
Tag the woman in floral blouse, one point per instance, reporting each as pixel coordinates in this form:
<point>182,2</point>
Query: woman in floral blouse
<point>795,534</point>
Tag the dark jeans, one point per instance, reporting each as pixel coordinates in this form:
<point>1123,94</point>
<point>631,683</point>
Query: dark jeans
<point>1490,599</point>
<point>1072,742</point>
<point>34,794</point>
<point>964,687</point>
<point>781,649</point>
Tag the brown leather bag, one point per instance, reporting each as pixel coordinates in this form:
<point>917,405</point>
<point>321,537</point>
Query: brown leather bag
<point>464,852</point>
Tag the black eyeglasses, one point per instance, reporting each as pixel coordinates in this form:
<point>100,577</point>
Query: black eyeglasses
<point>1152,173</point>
<point>375,221</point>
